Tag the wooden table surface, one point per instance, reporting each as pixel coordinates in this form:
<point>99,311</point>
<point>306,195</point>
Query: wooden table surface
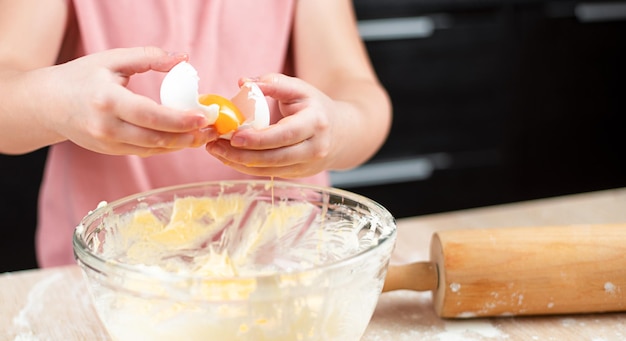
<point>53,304</point>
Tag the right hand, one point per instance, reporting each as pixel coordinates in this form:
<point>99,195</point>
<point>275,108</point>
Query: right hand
<point>86,101</point>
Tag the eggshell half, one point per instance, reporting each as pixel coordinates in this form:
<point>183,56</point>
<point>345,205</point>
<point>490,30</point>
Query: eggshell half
<point>179,89</point>
<point>253,105</point>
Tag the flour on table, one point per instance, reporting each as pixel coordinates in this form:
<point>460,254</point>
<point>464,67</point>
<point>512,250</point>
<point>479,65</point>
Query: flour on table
<point>34,303</point>
<point>609,288</point>
<point>469,331</point>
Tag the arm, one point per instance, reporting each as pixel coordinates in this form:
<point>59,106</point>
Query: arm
<point>84,100</point>
<point>330,55</point>
<point>335,113</point>
<point>25,46</point>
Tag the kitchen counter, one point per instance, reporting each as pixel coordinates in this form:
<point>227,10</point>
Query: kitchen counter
<point>53,304</point>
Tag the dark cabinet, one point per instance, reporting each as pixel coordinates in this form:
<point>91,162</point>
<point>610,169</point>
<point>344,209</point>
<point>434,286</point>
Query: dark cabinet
<point>20,177</point>
<point>500,101</point>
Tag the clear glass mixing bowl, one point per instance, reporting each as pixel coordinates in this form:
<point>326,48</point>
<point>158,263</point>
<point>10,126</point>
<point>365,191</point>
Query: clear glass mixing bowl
<point>236,261</point>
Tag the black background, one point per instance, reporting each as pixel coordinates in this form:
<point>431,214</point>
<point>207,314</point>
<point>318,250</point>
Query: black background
<point>525,100</point>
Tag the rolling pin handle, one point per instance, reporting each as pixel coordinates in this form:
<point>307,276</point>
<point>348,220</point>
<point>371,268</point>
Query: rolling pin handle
<point>420,276</point>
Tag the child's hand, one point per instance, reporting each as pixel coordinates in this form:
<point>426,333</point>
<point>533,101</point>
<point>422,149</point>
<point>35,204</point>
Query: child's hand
<point>86,101</point>
<point>302,143</point>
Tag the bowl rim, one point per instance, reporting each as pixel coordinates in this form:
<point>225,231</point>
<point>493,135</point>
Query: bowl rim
<point>85,257</point>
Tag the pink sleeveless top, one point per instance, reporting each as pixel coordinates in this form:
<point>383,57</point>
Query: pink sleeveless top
<point>225,40</point>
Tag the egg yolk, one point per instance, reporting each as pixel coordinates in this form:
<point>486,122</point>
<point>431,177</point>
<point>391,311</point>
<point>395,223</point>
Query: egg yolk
<point>229,118</point>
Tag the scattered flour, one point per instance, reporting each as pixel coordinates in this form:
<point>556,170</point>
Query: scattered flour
<point>455,287</point>
<point>568,322</point>
<point>466,314</point>
<point>31,324</point>
<point>520,298</point>
<point>609,288</point>
<point>469,330</point>
<point>34,303</point>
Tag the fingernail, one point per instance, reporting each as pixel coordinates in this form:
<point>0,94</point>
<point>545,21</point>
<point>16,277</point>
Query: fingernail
<point>251,79</point>
<point>179,55</point>
<point>210,133</point>
<point>237,141</point>
<point>216,149</point>
<point>201,120</point>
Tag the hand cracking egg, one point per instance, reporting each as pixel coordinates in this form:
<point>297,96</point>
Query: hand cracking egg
<point>248,108</point>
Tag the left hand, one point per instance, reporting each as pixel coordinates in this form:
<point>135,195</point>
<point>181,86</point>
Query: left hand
<point>298,145</point>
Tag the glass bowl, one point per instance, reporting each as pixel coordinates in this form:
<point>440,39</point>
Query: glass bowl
<point>237,260</point>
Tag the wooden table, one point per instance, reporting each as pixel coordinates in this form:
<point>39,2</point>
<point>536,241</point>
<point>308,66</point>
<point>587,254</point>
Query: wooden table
<point>53,304</point>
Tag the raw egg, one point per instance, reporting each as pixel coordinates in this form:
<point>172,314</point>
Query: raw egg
<point>179,90</point>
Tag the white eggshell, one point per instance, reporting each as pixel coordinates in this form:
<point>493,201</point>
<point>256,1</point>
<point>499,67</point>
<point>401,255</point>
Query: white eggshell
<point>252,103</point>
<point>179,89</point>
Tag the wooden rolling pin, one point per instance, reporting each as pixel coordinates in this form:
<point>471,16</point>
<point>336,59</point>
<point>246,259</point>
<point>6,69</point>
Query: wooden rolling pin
<point>521,271</point>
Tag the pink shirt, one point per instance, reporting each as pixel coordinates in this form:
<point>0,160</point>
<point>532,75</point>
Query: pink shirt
<point>225,39</point>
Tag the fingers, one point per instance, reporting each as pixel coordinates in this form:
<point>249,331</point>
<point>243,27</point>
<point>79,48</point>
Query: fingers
<point>294,96</point>
<point>281,87</point>
<point>305,151</point>
<point>297,145</point>
<point>130,134</point>
<point>130,61</point>
<point>292,170</point>
<point>131,149</point>
<point>142,121</point>
<point>94,109</point>
<point>286,132</point>
<point>144,112</point>
<point>122,138</point>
